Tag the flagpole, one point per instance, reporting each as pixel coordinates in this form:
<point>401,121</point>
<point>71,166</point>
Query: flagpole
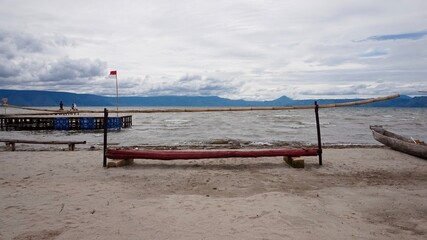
<point>117,96</point>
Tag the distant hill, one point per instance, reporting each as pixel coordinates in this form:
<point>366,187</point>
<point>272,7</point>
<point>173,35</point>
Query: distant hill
<point>48,98</point>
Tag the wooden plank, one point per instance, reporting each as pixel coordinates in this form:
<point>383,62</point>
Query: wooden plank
<point>10,143</point>
<point>41,142</point>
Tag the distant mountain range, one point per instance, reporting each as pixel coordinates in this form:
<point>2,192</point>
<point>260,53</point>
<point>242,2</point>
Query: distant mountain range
<point>48,98</point>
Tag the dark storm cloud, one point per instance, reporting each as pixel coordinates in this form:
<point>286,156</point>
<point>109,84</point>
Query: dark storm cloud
<point>338,91</point>
<point>68,69</point>
<point>12,43</point>
<point>197,85</point>
<point>28,61</point>
<point>189,78</point>
<point>8,70</point>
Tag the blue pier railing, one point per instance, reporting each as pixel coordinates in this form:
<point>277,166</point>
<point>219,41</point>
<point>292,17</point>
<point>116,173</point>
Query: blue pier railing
<point>63,123</point>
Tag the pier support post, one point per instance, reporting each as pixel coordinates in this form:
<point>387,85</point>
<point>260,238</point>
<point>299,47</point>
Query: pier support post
<point>319,138</point>
<point>105,136</point>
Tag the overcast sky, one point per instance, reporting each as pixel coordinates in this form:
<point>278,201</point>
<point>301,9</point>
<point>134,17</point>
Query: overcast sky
<point>255,50</point>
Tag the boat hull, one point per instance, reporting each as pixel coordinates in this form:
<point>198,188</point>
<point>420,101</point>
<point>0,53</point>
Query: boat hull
<point>399,143</point>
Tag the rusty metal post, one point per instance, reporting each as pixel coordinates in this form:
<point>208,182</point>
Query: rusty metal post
<point>105,136</point>
<point>319,138</point>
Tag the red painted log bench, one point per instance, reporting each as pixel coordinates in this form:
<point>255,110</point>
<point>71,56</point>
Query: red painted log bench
<point>197,154</point>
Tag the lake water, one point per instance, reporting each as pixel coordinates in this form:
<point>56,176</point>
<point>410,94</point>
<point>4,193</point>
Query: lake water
<point>339,126</point>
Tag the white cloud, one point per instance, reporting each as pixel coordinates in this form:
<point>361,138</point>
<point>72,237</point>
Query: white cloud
<point>237,49</point>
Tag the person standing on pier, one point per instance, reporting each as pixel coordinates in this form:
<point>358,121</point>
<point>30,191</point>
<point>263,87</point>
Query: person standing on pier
<point>74,107</point>
<point>61,106</point>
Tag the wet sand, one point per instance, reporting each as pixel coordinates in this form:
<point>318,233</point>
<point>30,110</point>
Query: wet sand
<point>359,193</point>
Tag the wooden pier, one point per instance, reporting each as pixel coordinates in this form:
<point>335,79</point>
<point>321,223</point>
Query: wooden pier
<point>14,123</point>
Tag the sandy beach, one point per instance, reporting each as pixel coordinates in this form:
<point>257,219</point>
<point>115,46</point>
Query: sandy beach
<point>359,193</point>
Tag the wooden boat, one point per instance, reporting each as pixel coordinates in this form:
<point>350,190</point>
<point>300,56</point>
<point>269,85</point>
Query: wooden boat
<point>406,145</point>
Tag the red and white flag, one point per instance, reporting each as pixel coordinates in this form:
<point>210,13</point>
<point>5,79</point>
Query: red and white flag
<point>113,72</point>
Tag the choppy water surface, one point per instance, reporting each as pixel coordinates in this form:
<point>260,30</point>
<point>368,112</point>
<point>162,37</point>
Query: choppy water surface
<point>255,128</point>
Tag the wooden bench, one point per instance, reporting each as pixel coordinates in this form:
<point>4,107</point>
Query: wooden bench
<point>10,143</point>
<point>201,154</point>
<point>290,156</point>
